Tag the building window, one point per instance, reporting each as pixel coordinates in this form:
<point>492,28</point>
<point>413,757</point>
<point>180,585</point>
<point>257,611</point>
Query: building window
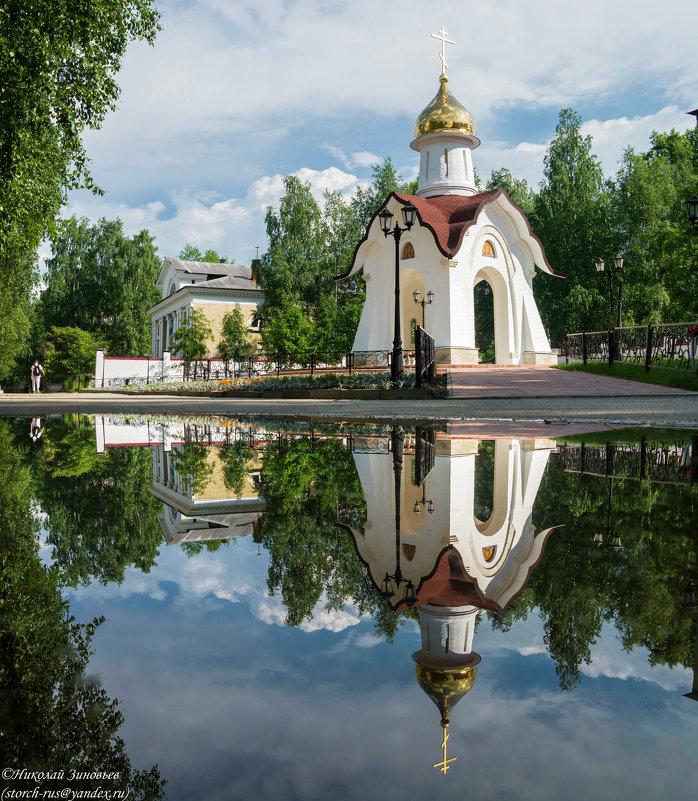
<point>488,250</point>
<point>173,288</point>
<point>413,330</point>
<point>408,250</point>
<point>488,553</point>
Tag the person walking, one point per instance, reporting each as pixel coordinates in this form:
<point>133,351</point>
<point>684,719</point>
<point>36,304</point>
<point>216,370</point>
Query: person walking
<point>37,373</point>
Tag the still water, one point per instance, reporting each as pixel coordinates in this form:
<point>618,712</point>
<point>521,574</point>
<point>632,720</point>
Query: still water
<point>219,609</point>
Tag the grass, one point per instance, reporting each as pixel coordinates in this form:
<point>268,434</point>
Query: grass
<point>635,372</point>
<point>627,435</point>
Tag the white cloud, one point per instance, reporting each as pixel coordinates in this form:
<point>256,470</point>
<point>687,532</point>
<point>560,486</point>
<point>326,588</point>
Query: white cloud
<point>233,225</point>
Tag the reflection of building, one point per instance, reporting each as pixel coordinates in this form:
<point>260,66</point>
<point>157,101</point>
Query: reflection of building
<point>214,512</point>
<point>458,562</point>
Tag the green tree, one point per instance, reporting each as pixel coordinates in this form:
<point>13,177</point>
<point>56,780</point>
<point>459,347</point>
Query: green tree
<point>58,62</point>
<point>233,343</point>
<point>572,218</point>
<point>104,282</point>
<point>517,189</point>
<point>189,340</point>
<point>288,330</point>
<point>54,717</point>
<point>660,253</point>
<point>69,354</point>
<point>192,253</point>
<point>102,519</point>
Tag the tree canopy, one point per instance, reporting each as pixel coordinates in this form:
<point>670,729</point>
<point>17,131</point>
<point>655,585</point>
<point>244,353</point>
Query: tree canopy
<point>58,62</point>
<point>102,281</point>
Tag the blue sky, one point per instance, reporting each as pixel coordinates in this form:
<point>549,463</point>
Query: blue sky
<point>236,95</point>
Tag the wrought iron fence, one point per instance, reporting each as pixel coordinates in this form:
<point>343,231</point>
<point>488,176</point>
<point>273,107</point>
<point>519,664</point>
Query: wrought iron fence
<point>425,350</point>
<point>672,346</point>
<point>668,462</point>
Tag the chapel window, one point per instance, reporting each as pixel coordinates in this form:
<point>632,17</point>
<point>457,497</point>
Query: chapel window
<point>489,552</point>
<point>408,250</point>
<point>488,249</point>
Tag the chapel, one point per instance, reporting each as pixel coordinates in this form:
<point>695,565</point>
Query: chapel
<point>461,237</point>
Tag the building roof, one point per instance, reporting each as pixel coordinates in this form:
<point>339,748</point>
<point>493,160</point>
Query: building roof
<point>219,275</point>
<point>449,217</point>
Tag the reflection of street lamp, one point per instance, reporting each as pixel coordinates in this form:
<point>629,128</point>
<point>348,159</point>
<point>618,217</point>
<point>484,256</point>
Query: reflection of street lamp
<point>387,591</point>
<point>425,301</point>
<point>691,207</point>
<point>617,267</point>
<point>409,214</point>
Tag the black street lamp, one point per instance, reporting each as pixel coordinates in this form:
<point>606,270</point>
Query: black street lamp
<point>424,302</point>
<point>617,267</point>
<point>691,207</point>
<point>409,215</point>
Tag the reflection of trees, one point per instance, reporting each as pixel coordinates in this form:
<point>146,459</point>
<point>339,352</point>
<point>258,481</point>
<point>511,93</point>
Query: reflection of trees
<point>578,586</point>
<point>52,717</point>
<point>102,519</point>
<point>309,489</point>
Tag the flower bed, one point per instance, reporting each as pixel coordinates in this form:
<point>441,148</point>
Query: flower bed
<point>272,383</point>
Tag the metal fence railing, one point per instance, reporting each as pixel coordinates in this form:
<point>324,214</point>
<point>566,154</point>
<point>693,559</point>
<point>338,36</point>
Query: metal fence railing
<point>672,346</point>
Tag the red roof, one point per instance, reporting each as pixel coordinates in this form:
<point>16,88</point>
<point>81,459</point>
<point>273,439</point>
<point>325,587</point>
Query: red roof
<point>448,217</point>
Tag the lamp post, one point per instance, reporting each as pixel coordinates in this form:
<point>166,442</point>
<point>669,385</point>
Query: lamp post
<point>424,302</point>
<point>409,214</point>
<point>691,206</point>
<point>617,267</point>
<point>387,591</point>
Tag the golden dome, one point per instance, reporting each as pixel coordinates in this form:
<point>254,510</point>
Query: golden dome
<point>444,113</point>
<point>446,687</point>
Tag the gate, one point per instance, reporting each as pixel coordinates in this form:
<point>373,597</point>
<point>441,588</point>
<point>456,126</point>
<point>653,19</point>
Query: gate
<point>425,357</point>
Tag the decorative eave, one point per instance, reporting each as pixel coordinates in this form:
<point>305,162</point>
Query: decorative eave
<point>176,298</point>
<point>449,217</point>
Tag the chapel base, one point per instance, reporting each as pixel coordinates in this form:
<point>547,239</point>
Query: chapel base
<point>456,356</point>
<point>545,359</point>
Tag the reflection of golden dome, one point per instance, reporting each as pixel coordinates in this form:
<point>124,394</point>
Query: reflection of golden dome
<point>446,687</point>
<point>444,113</point>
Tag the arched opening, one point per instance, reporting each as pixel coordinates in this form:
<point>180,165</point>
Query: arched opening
<point>483,299</point>
<point>493,324</point>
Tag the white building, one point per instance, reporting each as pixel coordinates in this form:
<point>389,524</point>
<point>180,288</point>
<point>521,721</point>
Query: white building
<point>460,237</point>
<point>213,288</point>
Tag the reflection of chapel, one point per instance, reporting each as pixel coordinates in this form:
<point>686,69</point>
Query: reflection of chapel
<point>458,563</point>
<point>461,237</point>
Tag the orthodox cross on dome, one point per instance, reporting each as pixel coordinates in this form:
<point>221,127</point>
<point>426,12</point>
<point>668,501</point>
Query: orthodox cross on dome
<point>444,41</point>
<point>443,765</point>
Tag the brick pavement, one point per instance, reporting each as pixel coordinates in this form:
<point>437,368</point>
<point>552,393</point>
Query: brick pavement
<point>545,382</point>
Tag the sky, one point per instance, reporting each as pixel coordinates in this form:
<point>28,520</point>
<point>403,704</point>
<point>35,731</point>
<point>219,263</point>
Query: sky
<point>237,94</point>
<point>233,704</point>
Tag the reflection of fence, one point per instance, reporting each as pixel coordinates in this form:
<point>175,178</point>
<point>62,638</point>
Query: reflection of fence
<point>669,462</point>
<point>423,443</point>
<point>672,346</point>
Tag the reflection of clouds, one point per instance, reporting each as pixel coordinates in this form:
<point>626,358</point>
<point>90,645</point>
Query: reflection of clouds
<point>234,574</point>
<point>610,660</point>
<point>233,710</point>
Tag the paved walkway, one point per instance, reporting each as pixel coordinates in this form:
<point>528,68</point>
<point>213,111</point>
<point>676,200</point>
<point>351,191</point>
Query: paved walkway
<point>614,410</point>
<point>545,382</point>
